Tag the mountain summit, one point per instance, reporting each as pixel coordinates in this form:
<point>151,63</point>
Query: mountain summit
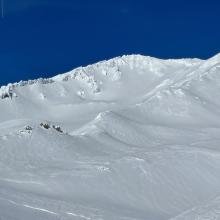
<point>134,137</point>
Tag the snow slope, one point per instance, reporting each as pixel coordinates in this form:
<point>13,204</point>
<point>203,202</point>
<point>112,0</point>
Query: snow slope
<point>131,138</point>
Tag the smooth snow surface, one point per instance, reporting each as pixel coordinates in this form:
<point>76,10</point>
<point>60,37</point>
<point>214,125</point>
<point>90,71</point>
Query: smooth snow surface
<point>132,138</point>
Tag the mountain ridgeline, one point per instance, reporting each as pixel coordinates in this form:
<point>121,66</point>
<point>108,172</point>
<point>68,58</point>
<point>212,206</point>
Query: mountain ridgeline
<point>134,137</point>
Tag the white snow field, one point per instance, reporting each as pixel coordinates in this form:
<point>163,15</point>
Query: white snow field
<point>132,138</point>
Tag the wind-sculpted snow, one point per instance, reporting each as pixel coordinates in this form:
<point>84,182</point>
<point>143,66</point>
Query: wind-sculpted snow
<point>132,138</point>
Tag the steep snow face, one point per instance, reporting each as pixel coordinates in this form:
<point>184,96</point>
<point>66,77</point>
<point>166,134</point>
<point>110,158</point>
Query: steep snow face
<point>133,137</point>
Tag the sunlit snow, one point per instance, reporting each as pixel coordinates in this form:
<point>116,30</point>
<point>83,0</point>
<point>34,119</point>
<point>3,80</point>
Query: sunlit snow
<point>131,138</point>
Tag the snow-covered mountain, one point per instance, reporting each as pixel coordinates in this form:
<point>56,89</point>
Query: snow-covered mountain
<point>131,138</point>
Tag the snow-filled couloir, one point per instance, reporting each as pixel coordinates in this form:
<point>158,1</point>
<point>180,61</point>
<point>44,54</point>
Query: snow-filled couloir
<point>132,138</point>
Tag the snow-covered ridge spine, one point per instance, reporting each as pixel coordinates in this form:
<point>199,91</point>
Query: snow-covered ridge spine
<point>107,63</point>
<point>7,91</point>
<point>109,68</point>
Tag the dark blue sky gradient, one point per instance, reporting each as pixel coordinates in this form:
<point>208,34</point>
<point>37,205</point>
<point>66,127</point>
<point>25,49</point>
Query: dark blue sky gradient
<point>40,38</point>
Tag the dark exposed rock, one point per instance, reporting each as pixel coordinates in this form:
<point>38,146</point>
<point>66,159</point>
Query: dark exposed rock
<point>45,125</point>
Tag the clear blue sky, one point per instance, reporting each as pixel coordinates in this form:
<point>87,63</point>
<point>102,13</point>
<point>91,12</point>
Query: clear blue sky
<point>40,38</point>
